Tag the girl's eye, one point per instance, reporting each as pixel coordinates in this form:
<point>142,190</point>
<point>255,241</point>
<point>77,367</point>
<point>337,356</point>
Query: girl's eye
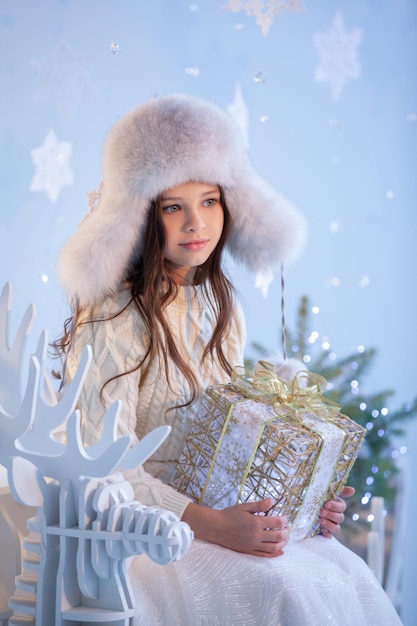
<point>210,202</point>
<point>172,208</point>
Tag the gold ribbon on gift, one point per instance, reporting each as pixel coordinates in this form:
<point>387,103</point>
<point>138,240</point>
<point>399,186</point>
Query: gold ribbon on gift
<point>303,393</point>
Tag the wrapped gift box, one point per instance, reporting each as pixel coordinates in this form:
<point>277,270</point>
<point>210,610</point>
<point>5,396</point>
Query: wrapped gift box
<point>249,443</point>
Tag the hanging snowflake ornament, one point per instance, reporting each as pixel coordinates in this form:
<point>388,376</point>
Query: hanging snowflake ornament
<point>64,79</point>
<point>338,56</point>
<point>239,111</point>
<point>264,10</point>
<point>114,48</point>
<point>192,71</point>
<point>52,168</point>
<point>263,281</point>
<point>259,78</point>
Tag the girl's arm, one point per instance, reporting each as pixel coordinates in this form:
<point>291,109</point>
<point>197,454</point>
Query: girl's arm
<point>116,348</point>
<point>242,527</point>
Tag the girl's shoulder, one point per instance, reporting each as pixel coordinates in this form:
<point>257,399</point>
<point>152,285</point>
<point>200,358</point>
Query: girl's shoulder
<point>115,310</point>
<point>113,303</point>
<point>121,298</point>
<point>113,325</point>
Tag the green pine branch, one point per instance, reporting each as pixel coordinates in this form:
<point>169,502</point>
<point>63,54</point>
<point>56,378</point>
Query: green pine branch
<point>376,467</point>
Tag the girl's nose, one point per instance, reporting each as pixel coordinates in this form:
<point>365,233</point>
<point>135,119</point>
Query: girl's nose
<point>194,222</point>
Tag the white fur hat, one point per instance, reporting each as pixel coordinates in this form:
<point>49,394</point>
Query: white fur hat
<point>165,142</point>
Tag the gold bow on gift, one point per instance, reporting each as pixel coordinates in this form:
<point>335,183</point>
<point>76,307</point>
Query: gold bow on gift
<point>304,392</point>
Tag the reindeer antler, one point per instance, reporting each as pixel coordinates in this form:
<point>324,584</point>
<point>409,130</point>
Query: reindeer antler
<point>51,414</point>
<point>28,424</point>
<point>10,355</point>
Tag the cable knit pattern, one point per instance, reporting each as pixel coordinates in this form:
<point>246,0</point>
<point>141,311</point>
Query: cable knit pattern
<point>118,344</point>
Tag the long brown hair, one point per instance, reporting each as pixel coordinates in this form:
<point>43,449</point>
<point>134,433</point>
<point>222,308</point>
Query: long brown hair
<point>152,287</point>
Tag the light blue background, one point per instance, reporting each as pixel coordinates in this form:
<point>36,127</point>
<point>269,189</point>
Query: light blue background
<point>350,160</point>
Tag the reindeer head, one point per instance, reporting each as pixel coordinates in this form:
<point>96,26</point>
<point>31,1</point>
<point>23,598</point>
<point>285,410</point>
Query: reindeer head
<point>87,523</point>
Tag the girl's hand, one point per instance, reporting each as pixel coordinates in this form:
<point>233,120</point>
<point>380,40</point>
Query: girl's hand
<point>243,527</point>
<point>332,513</point>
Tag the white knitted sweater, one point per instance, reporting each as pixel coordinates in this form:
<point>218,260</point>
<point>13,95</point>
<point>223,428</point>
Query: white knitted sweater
<point>118,344</point>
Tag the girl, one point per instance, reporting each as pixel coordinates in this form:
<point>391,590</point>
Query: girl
<point>144,274</point>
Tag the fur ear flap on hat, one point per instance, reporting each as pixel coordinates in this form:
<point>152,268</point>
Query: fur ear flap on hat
<point>165,142</point>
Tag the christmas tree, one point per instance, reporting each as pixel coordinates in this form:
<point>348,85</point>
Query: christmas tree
<point>377,466</point>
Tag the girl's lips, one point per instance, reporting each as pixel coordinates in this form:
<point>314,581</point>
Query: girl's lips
<point>194,245</point>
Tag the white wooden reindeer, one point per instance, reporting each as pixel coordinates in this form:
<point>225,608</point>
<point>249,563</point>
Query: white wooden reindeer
<point>87,525</point>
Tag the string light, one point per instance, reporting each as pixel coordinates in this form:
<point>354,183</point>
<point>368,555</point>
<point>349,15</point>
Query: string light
<point>313,337</point>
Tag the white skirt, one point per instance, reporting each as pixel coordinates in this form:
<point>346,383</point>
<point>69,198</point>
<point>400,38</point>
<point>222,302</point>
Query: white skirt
<point>316,582</point>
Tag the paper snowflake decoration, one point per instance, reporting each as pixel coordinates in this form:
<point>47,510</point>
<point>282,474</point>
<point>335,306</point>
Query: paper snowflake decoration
<point>264,10</point>
<point>52,169</point>
<point>64,79</point>
<point>338,56</point>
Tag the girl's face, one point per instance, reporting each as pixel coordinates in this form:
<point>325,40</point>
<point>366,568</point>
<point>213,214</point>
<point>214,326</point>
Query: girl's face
<point>192,215</point>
